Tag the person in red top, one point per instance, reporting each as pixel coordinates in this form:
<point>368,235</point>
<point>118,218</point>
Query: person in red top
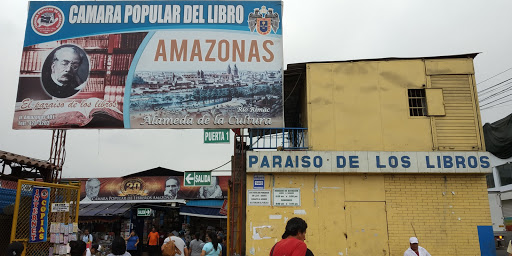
<point>292,243</point>
<point>153,242</point>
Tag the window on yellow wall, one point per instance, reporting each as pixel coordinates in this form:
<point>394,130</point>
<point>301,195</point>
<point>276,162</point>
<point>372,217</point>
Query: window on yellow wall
<point>417,102</point>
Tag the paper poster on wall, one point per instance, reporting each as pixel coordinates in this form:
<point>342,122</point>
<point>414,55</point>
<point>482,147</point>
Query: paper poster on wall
<point>258,197</point>
<point>286,196</point>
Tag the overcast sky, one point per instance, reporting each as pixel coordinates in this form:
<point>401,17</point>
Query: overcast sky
<point>318,30</point>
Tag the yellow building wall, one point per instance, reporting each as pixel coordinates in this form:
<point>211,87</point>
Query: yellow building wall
<point>323,200</point>
<point>363,105</point>
<point>445,211</point>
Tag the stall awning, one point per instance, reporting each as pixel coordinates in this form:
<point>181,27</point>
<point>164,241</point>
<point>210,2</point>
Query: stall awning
<point>205,212</point>
<point>203,208</point>
<point>103,209</point>
<point>206,203</point>
<point>141,201</point>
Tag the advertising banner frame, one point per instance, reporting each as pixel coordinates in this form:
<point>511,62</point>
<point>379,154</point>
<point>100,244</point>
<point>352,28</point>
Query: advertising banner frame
<point>189,64</point>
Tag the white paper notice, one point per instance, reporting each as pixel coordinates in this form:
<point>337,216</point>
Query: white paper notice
<point>258,197</point>
<point>286,196</point>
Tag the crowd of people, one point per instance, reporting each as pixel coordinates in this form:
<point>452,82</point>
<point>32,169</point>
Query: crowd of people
<point>213,244</point>
<point>175,243</point>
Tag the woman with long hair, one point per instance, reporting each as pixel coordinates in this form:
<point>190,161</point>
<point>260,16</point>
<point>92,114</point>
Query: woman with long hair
<point>212,247</point>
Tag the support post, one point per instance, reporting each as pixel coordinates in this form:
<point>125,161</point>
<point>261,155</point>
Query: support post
<point>57,155</point>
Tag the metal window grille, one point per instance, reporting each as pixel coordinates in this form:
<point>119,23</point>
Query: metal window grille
<point>417,102</point>
<point>274,138</point>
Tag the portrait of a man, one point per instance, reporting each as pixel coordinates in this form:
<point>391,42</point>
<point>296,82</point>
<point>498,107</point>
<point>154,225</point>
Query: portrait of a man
<point>65,71</point>
<point>172,187</point>
<point>92,189</point>
<point>212,191</point>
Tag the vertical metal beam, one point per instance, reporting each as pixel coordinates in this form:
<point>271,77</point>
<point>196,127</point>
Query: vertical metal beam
<point>16,211</point>
<point>237,196</point>
<point>228,244</point>
<point>57,156</point>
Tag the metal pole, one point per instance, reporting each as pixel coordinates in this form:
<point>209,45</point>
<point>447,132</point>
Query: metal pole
<point>16,211</point>
<point>229,220</point>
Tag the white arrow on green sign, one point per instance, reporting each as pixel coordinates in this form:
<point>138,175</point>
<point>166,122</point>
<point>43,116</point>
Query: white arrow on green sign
<point>197,179</point>
<point>216,136</point>
<point>143,212</point>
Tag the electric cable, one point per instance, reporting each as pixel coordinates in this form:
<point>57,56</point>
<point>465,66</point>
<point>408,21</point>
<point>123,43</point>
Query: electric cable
<point>496,105</point>
<point>488,88</point>
<point>494,76</point>
<point>495,100</point>
<point>496,93</point>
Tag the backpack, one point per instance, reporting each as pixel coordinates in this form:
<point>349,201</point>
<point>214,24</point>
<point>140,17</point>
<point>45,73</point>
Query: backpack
<point>170,249</point>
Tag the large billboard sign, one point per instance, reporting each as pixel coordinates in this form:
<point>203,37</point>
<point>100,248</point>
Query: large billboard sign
<point>151,64</point>
<point>158,188</point>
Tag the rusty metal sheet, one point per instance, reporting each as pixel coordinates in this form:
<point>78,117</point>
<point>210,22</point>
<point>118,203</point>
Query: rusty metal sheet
<point>7,156</point>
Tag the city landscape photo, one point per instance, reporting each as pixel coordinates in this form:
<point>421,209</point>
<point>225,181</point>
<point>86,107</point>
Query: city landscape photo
<point>230,97</point>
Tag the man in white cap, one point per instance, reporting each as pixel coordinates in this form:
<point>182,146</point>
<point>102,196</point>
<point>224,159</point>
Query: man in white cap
<point>415,249</point>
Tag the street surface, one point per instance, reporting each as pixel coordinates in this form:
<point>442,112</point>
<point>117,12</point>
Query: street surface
<point>501,252</point>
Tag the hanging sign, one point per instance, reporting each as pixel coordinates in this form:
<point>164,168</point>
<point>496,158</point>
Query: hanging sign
<point>39,214</point>
<point>144,212</point>
<point>60,207</point>
<point>198,179</point>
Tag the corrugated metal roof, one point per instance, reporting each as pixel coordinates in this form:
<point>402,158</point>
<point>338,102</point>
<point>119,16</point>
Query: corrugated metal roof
<point>455,56</point>
<point>157,171</point>
<point>24,160</point>
<point>103,209</point>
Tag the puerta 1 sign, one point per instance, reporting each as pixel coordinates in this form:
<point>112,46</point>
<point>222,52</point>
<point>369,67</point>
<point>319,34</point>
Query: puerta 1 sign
<point>197,179</point>
<point>216,136</point>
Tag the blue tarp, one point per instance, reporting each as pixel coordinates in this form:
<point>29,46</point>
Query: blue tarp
<point>203,208</point>
<point>206,203</point>
<point>7,197</point>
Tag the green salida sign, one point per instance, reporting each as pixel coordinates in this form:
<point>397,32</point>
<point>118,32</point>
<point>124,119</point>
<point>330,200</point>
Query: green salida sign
<point>198,179</point>
<point>143,212</point>
<point>216,136</point>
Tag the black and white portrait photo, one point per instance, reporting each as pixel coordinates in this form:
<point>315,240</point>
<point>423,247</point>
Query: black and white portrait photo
<point>65,71</point>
